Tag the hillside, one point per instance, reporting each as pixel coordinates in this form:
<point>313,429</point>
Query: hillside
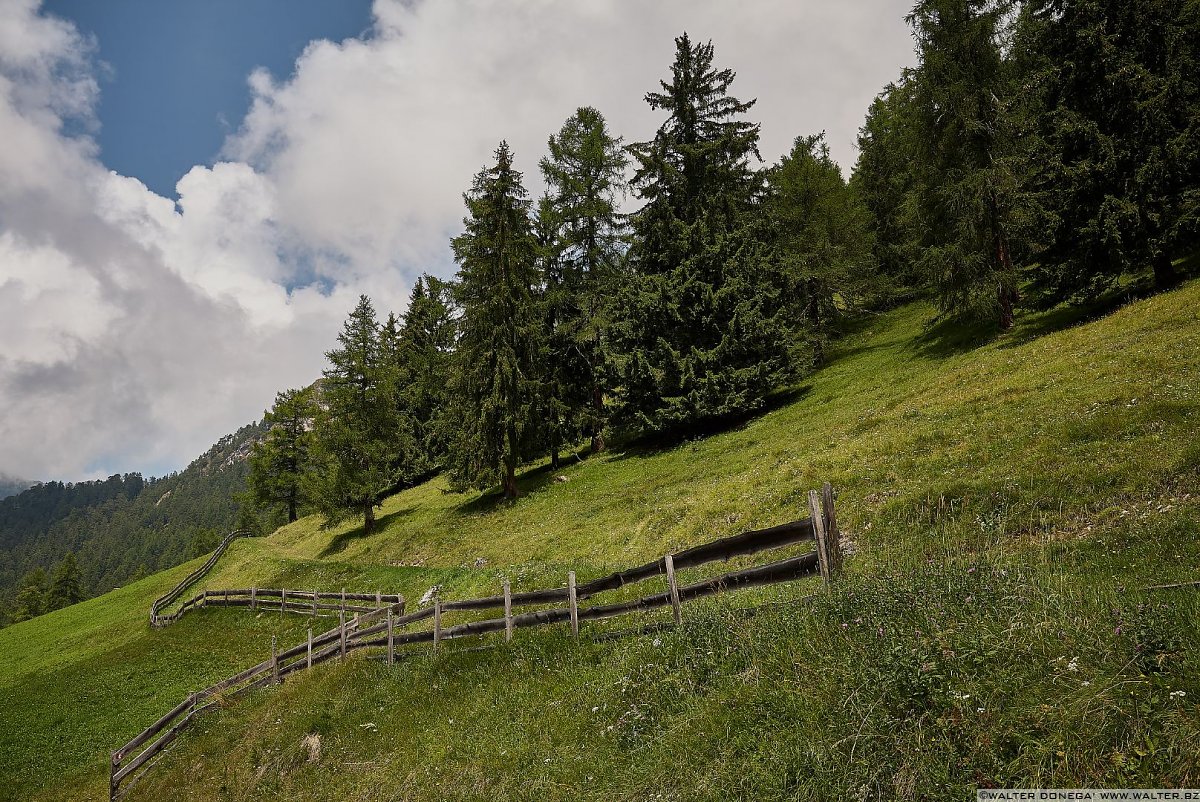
<point>124,526</point>
<point>11,485</point>
<point>1006,502</point>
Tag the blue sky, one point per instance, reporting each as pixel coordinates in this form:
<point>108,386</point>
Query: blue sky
<point>176,86</point>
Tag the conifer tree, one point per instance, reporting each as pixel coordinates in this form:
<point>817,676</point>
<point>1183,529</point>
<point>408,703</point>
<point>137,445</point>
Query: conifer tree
<point>701,333</point>
<point>497,371</point>
<point>965,170</point>
<point>1121,132</point>
<point>279,461</point>
<point>425,346</point>
<point>359,430</point>
<point>32,599</point>
<point>67,587</point>
<point>822,240</point>
<point>585,173</point>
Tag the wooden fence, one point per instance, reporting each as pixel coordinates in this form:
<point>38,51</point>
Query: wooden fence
<point>195,576</point>
<point>307,602</point>
<point>379,628</point>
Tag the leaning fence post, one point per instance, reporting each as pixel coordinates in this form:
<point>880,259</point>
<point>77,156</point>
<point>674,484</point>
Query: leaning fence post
<point>508,622</point>
<point>437,622</point>
<point>391,643</point>
<point>342,624</point>
<point>669,561</point>
<point>308,662</point>
<point>113,765</point>
<point>253,599</point>
<point>818,524</point>
<point>274,662</point>
<point>574,599</point>
<point>832,536</point>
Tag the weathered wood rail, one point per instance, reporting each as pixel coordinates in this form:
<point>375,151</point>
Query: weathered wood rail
<point>379,628</point>
<point>306,602</point>
<point>174,593</point>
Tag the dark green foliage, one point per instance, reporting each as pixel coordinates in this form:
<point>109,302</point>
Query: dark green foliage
<point>582,237</point>
<point>497,377</point>
<point>279,460</point>
<point>965,174</point>
<point>425,351</point>
<point>1118,168</point>
<point>363,443</point>
<point>118,524</point>
<point>67,587</point>
<point>822,241</point>
<point>883,178</point>
<point>33,598</point>
<point>701,333</point>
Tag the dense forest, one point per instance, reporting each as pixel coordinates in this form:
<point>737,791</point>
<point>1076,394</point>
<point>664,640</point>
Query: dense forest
<point>60,543</point>
<point>1041,153</point>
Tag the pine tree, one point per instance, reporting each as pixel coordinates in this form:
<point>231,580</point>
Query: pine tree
<point>67,587</point>
<point>585,175</point>
<point>32,599</point>
<point>1121,163</point>
<point>822,240</point>
<point>883,178</point>
<point>425,349</point>
<point>497,370</point>
<point>278,461</point>
<point>965,173</point>
<point>359,431</point>
<point>701,333</point>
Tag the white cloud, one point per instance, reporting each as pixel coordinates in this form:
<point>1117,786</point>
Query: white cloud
<point>134,330</point>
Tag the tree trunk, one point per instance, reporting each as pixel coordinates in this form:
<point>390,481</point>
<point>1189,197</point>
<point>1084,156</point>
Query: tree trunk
<point>554,457</point>
<point>292,510</point>
<point>510,481</point>
<point>1008,295</point>
<point>1165,276</point>
<point>368,517</point>
<point>1006,307</point>
<point>598,426</point>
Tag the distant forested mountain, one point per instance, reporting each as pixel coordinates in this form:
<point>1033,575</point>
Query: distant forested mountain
<point>124,526</point>
<point>11,485</point>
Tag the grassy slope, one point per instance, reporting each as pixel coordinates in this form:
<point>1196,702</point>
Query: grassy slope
<point>1000,499</point>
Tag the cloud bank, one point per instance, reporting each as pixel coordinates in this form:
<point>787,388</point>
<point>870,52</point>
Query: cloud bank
<point>135,329</point>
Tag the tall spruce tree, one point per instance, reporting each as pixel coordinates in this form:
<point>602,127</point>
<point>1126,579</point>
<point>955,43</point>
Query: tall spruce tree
<point>701,333</point>
<point>67,585</point>
<point>426,345</point>
<point>33,597</point>
<point>883,178</point>
<point>497,365</point>
<point>585,237</point>
<point>1121,132</point>
<point>359,429</point>
<point>279,461</point>
<point>822,240</point>
<point>965,169</point>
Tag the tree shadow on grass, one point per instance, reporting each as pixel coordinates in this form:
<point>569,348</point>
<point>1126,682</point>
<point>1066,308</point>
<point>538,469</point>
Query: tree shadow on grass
<point>649,445</point>
<point>341,542</point>
<point>529,481</point>
<point>951,336</point>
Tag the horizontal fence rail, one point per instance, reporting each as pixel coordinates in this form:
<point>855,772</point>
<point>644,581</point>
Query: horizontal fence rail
<point>307,602</point>
<point>195,576</point>
<point>378,626</point>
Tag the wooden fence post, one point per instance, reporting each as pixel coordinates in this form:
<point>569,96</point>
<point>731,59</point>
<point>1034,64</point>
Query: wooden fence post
<point>308,662</point>
<point>342,624</point>
<point>832,536</point>
<point>818,522</point>
<point>669,560</point>
<point>274,662</point>
<point>282,599</point>
<point>574,599</point>
<point>343,602</point>
<point>314,604</point>
<point>508,622</point>
<point>378,600</point>
<point>114,764</point>
<point>253,599</point>
<point>437,622</point>
<point>226,602</point>
<point>391,642</point>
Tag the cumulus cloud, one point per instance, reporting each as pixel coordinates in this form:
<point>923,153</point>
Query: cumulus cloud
<point>137,329</point>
